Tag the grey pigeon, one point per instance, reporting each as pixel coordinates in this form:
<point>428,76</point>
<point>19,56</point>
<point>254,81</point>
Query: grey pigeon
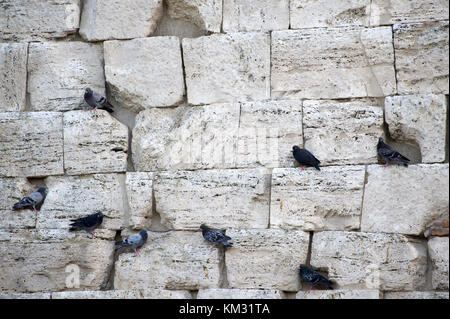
<point>215,236</point>
<point>313,278</point>
<point>305,158</point>
<point>88,223</point>
<point>97,101</point>
<point>134,241</point>
<point>389,154</point>
<point>34,200</point>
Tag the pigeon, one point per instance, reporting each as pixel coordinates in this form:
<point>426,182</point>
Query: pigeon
<point>34,200</point>
<point>305,158</point>
<point>215,236</point>
<point>313,278</point>
<point>87,223</point>
<point>134,241</point>
<point>97,101</point>
<point>389,154</point>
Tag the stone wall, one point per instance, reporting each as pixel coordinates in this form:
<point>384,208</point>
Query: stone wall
<point>210,96</point>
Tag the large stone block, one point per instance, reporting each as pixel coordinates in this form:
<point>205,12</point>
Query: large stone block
<point>324,13</point>
<point>36,295</point>
<point>94,142</point>
<point>32,20</point>
<point>248,15</point>
<point>405,200</point>
<point>123,294</point>
<point>144,73</point>
<point>416,295</point>
<point>310,200</point>
<point>420,119</point>
<point>119,19</point>
<point>323,63</point>
<point>266,258</point>
<point>31,144</point>
<point>227,68</point>
<point>239,294</point>
<point>59,72</point>
<point>13,76</point>
<point>422,57</point>
<point>339,132</point>
<point>206,14</point>
<point>356,260</point>
<point>438,250</point>
<point>169,260</point>
<point>339,294</point>
<point>220,198</point>
<point>140,198</point>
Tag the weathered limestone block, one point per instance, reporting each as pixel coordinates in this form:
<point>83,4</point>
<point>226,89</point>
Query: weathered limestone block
<point>36,295</point>
<point>338,132</point>
<point>96,294</point>
<point>310,200</point>
<point>140,198</point>
<point>405,200</point>
<point>339,294</point>
<point>227,68</point>
<point>416,295</point>
<point>219,198</point>
<point>239,294</point>
<point>186,138</point>
<point>59,72</point>
<point>31,20</point>
<point>407,11</point>
<point>119,19</point>
<point>31,144</point>
<point>421,119</point>
<point>34,262</point>
<point>422,57</point>
<point>169,260</point>
<point>324,13</point>
<point>165,294</point>
<point>144,73</point>
<point>266,258</point>
<point>13,76</point>
<point>267,132</point>
<point>248,15</point>
<point>438,250</point>
<point>207,15</point>
<point>355,260</point>
<point>326,63</point>
<point>94,142</point>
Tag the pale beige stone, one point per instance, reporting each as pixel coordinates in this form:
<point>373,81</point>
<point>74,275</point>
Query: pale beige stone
<point>339,294</point>
<point>405,200</point>
<point>416,295</point>
<point>165,294</point>
<point>310,200</point>
<point>95,294</point>
<point>239,294</point>
<point>36,295</point>
<point>218,198</point>
<point>206,14</point>
<point>31,144</point>
<point>266,258</point>
<point>13,76</point>
<point>322,63</point>
<point>438,251</point>
<point>140,198</point>
<point>227,68</point>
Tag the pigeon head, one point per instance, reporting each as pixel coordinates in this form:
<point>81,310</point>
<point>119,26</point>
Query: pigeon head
<point>43,189</point>
<point>203,227</point>
<point>303,267</point>
<point>380,140</point>
<point>99,214</point>
<point>88,92</point>
<point>295,148</point>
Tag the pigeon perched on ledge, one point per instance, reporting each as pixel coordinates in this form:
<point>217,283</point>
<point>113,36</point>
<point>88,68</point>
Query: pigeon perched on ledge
<point>215,236</point>
<point>134,241</point>
<point>88,223</point>
<point>313,278</point>
<point>97,101</point>
<point>389,154</point>
<point>305,158</point>
<point>34,200</point>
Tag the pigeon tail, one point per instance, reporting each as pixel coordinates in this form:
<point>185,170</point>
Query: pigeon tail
<point>227,244</point>
<point>108,107</point>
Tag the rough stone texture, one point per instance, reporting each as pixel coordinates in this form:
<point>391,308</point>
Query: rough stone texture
<point>94,142</point>
<point>140,198</point>
<point>239,294</point>
<point>186,138</point>
<point>248,15</point>
<point>417,295</point>
<point>355,260</point>
<point>407,11</point>
<point>13,75</point>
<point>422,57</point>
<point>339,294</point>
<point>405,200</point>
<point>421,119</point>
<point>59,72</point>
<point>332,63</point>
<point>266,258</point>
<point>324,13</point>
<point>119,19</point>
<point>165,294</point>
<point>438,250</point>
<point>123,294</point>
<point>310,200</point>
<point>144,73</point>
<point>31,144</point>
<point>218,198</point>
<point>170,260</point>
<point>227,68</point>
<point>31,20</point>
<point>36,295</point>
<point>338,132</point>
<point>44,256</point>
<point>207,15</point>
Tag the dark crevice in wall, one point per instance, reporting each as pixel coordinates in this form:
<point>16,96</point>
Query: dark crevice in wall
<point>288,295</point>
<point>193,293</point>
<point>366,176</point>
<point>447,132</point>
<point>395,61</point>
<point>109,285</point>
<point>27,93</point>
